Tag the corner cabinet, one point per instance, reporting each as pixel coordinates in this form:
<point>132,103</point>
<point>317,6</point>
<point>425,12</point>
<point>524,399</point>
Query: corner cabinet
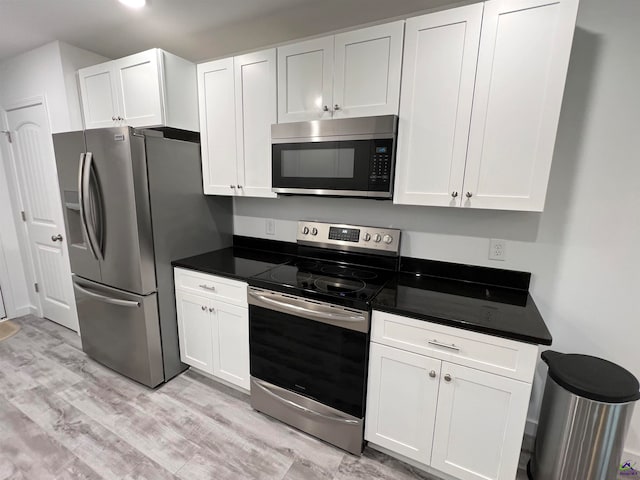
<point>464,397</point>
<point>213,325</point>
<point>148,89</point>
<point>352,74</point>
<point>237,102</point>
<point>481,95</point>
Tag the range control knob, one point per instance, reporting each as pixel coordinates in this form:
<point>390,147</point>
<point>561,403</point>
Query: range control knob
<point>314,231</point>
<point>387,239</point>
<point>305,230</point>
<point>366,237</point>
<point>377,238</point>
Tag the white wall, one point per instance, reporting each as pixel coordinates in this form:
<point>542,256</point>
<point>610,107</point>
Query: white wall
<point>49,72</point>
<point>584,249</point>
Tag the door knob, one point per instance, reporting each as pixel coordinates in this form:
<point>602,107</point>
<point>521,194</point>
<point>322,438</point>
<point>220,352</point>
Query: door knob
<point>56,238</point>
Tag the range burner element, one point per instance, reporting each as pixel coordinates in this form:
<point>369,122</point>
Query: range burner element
<point>339,285</point>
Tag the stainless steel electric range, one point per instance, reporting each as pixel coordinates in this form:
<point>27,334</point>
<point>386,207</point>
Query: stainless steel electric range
<point>309,329</point>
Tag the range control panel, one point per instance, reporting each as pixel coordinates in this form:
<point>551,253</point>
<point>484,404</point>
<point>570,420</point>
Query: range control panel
<point>385,241</point>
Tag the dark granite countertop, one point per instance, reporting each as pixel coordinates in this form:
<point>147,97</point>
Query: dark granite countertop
<point>234,262</point>
<point>494,310</point>
<point>480,299</point>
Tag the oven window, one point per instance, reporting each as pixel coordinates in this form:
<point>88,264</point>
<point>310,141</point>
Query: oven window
<point>323,362</point>
<point>318,163</point>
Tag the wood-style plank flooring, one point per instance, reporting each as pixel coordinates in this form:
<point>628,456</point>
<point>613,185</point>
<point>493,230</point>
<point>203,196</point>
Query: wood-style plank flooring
<point>63,416</point>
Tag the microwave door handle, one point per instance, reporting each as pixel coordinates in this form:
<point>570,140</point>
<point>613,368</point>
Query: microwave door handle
<point>89,226</point>
<point>306,311</point>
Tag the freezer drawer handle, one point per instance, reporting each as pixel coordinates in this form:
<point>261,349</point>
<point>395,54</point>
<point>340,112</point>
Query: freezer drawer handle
<point>103,298</point>
<point>306,410</point>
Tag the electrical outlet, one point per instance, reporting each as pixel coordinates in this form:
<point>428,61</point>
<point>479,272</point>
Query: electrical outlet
<point>270,226</point>
<point>497,249</point>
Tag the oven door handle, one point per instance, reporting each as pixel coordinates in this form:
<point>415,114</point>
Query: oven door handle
<point>287,306</point>
<point>333,418</point>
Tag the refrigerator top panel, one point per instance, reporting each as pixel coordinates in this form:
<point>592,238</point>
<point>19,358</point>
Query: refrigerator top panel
<point>119,226</point>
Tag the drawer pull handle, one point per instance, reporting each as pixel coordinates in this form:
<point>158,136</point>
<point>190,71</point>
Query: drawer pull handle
<point>207,287</point>
<point>444,345</point>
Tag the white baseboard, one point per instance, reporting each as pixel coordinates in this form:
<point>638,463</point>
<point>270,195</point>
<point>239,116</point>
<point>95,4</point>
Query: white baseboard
<point>22,311</point>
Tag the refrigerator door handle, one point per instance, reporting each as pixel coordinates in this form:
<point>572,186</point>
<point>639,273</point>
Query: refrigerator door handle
<point>104,298</point>
<point>89,228</point>
<point>81,201</point>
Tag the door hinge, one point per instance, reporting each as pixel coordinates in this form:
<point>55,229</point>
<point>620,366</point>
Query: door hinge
<point>23,215</point>
<point>37,289</point>
<point>8,134</point>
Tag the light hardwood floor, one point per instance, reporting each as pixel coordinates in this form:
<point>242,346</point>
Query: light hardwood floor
<point>63,416</point>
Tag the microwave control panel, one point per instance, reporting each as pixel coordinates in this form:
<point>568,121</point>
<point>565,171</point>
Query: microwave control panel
<point>381,164</point>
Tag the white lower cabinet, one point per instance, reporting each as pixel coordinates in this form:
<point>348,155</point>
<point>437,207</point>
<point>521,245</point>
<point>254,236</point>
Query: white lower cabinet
<point>459,420</point>
<point>213,334</point>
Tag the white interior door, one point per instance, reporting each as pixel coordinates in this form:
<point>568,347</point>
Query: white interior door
<point>3,313</point>
<point>32,150</point>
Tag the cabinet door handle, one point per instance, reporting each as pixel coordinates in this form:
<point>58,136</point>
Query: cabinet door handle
<point>211,310</point>
<point>432,374</point>
<point>207,287</point>
<point>469,194</point>
<point>203,308</point>
<point>114,118</point>
<point>325,108</point>
<point>454,194</point>
<point>239,186</point>
<point>448,378</point>
<point>336,107</point>
<point>232,186</point>
<point>444,345</point>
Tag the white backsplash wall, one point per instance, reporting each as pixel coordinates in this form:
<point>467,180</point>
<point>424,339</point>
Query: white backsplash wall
<point>584,250</point>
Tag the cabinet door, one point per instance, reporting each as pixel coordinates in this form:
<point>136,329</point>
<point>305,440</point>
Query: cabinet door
<point>402,422</point>
<point>138,77</point>
<point>256,110</point>
<point>231,343</point>
<point>479,425</point>
<point>368,63</point>
<point>216,98</point>
<point>435,107</point>
<point>522,66</point>
<point>194,331</point>
<point>99,93</point>
<point>305,80</point>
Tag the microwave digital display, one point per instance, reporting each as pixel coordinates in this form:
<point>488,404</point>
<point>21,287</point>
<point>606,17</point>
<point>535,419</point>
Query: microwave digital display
<point>381,149</point>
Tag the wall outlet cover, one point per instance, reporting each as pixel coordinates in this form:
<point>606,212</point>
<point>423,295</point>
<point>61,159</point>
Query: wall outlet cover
<point>497,249</point>
<point>270,226</point>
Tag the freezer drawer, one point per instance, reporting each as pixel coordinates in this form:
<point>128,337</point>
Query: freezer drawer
<point>121,330</point>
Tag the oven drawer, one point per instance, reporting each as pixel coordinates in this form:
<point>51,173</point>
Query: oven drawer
<point>484,352</point>
<point>211,286</point>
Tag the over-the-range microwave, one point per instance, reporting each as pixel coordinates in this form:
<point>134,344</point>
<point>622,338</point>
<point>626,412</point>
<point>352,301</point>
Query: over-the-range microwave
<point>339,157</point>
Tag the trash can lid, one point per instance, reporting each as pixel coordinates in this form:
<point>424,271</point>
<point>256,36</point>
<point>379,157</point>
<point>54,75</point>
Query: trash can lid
<point>592,377</point>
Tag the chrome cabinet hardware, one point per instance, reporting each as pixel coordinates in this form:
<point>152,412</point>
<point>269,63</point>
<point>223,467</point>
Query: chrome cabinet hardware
<point>239,186</point>
<point>325,108</point>
<point>444,345</point>
<point>232,186</point>
<point>447,378</point>
<point>114,118</point>
<point>432,374</point>
<point>203,308</point>
<point>211,309</point>
<point>56,238</point>
<point>454,194</point>
<point>208,287</point>
<point>469,194</point>
<point>336,107</point>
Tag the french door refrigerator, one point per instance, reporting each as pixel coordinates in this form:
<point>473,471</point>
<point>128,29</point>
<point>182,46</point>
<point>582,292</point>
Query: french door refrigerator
<point>133,202</point>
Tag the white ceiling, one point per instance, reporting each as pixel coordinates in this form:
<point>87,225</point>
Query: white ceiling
<point>194,29</point>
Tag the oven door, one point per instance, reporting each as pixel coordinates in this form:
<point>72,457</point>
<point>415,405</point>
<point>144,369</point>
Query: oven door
<point>361,168</point>
<point>310,348</point>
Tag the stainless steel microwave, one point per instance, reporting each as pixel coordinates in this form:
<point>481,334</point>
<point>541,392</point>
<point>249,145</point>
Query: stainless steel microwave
<point>341,157</point>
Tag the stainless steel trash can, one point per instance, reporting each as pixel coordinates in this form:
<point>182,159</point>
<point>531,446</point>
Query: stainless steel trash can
<point>586,410</point>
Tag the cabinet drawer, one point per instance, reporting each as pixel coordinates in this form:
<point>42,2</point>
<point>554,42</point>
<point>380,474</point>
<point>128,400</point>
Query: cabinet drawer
<point>485,352</point>
<point>211,286</point>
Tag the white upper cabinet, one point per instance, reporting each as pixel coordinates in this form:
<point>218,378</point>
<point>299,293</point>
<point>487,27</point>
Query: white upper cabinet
<point>237,98</point>
<point>479,424</point>
<point>481,98</point>
<point>437,92</point>
<point>148,89</point>
<point>352,74</point>
<point>368,64</point>
<point>522,66</point>
<point>305,80</point>
<point>216,96</point>
<point>256,110</point>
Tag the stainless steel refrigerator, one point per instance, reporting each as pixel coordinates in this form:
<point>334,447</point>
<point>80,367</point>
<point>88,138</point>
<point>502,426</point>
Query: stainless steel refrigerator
<point>133,202</point>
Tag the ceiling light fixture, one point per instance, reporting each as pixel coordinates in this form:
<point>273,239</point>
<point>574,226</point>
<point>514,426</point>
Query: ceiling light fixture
<point>133,3</point>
